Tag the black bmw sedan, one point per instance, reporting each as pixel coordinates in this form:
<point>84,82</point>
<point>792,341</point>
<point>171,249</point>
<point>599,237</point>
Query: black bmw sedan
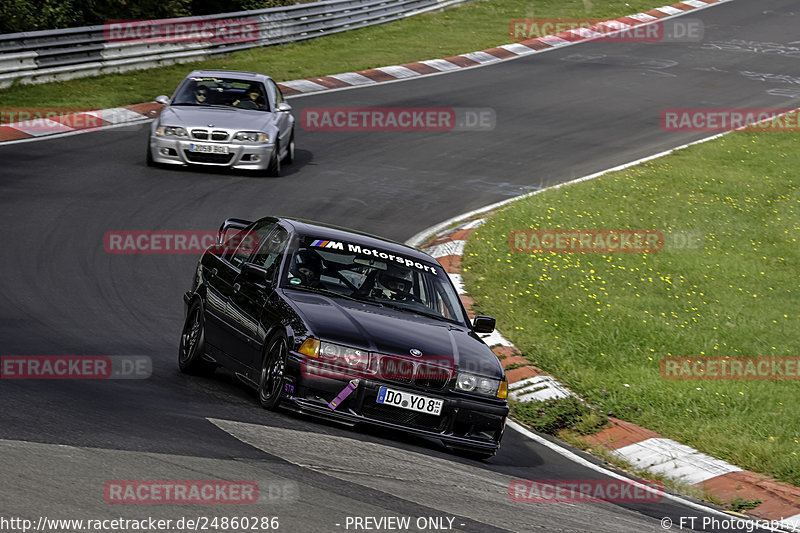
<point>345,325</point>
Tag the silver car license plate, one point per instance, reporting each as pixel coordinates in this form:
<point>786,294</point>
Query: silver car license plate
<point>209,148</point>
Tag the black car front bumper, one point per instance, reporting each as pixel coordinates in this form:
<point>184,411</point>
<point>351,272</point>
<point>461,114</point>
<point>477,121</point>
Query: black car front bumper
<point>464,423</point>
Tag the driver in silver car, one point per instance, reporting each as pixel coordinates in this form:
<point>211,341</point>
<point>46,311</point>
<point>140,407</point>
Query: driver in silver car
<point>201,95</point>
<point>253,99</point>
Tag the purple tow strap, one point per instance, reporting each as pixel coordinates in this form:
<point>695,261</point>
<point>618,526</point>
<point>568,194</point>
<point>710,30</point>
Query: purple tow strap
<point>344,394</point>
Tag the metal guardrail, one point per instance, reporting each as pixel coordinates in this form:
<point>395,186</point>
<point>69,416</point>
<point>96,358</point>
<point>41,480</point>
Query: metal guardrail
<point>54,55</point>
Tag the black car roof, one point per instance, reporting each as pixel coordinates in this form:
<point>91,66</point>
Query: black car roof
<point>330,232</point>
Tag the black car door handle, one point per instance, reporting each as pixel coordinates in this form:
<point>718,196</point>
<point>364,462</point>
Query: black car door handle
<point>236,287</point>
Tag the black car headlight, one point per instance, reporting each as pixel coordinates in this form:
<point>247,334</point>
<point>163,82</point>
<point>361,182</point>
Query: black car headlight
<point>251,137</point>
<point>341,357</point>
<point>353,356</point>
<point>171,131</point>
<point>482,385</point>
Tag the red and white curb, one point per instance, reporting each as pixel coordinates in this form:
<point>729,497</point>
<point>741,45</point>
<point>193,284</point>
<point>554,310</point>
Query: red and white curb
<point>85,121</point>
<point>107,118</point>
<point>638,446</point>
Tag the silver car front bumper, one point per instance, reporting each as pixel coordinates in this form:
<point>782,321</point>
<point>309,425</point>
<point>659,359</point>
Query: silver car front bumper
<point>172,151</point>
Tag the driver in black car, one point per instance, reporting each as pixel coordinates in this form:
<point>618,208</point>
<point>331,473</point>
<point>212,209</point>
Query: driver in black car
<point>394,283</point>
<point>308,265</point>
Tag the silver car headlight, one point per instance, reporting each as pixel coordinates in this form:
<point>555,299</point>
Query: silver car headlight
<point>251,137</point>
<point>171,131</point>
<point>472,383</point>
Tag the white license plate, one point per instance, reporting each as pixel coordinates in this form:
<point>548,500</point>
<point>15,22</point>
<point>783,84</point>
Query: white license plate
<point>407,400</point>
<point>209,148</point>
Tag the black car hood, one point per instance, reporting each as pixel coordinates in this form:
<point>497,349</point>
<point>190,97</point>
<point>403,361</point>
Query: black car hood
<point>391,331</point>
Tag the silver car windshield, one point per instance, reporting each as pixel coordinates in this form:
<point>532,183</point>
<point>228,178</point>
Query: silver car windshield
<point>373,275</point>
<point>228,92</point>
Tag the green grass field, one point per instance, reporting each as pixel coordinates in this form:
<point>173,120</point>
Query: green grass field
<point>475,26</point>
<point>601,323</point>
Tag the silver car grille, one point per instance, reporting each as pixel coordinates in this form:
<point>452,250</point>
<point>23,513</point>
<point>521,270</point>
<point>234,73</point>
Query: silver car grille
<point>215,135</point>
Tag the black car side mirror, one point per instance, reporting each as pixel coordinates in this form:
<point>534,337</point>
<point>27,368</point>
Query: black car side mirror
<point>254,272</point>
<point>483,324</point>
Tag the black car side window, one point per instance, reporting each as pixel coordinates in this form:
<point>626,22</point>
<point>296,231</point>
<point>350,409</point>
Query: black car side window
<point>248,241</point>
<point>270,251</point>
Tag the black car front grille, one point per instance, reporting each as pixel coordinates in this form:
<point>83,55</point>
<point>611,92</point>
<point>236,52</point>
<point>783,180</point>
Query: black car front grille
<point>200,157</point>
<point>201,135</point>
<point>219,135</point>
<point>409,371</point>
<point>432,377</point>
<point>395,369</point>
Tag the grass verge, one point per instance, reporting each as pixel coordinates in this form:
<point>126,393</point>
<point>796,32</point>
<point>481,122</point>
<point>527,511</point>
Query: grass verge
<point>554,415</point>
<point>601,323</point>
<point>475,26</point>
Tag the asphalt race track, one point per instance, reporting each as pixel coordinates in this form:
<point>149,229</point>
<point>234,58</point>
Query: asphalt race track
<point>559,115</point>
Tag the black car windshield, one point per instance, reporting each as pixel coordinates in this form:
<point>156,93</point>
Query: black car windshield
<point>372,275</point>
<point>228,92</point>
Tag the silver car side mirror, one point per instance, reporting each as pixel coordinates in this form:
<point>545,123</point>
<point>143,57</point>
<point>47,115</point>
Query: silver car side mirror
<point>162,99</point>
<point>283,106</point>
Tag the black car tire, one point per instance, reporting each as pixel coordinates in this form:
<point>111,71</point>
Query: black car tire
<point>273,367</point>
<point>274,167</point>
<point>193,342</point>
<point>149,159</point>
<point>289,158</point>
